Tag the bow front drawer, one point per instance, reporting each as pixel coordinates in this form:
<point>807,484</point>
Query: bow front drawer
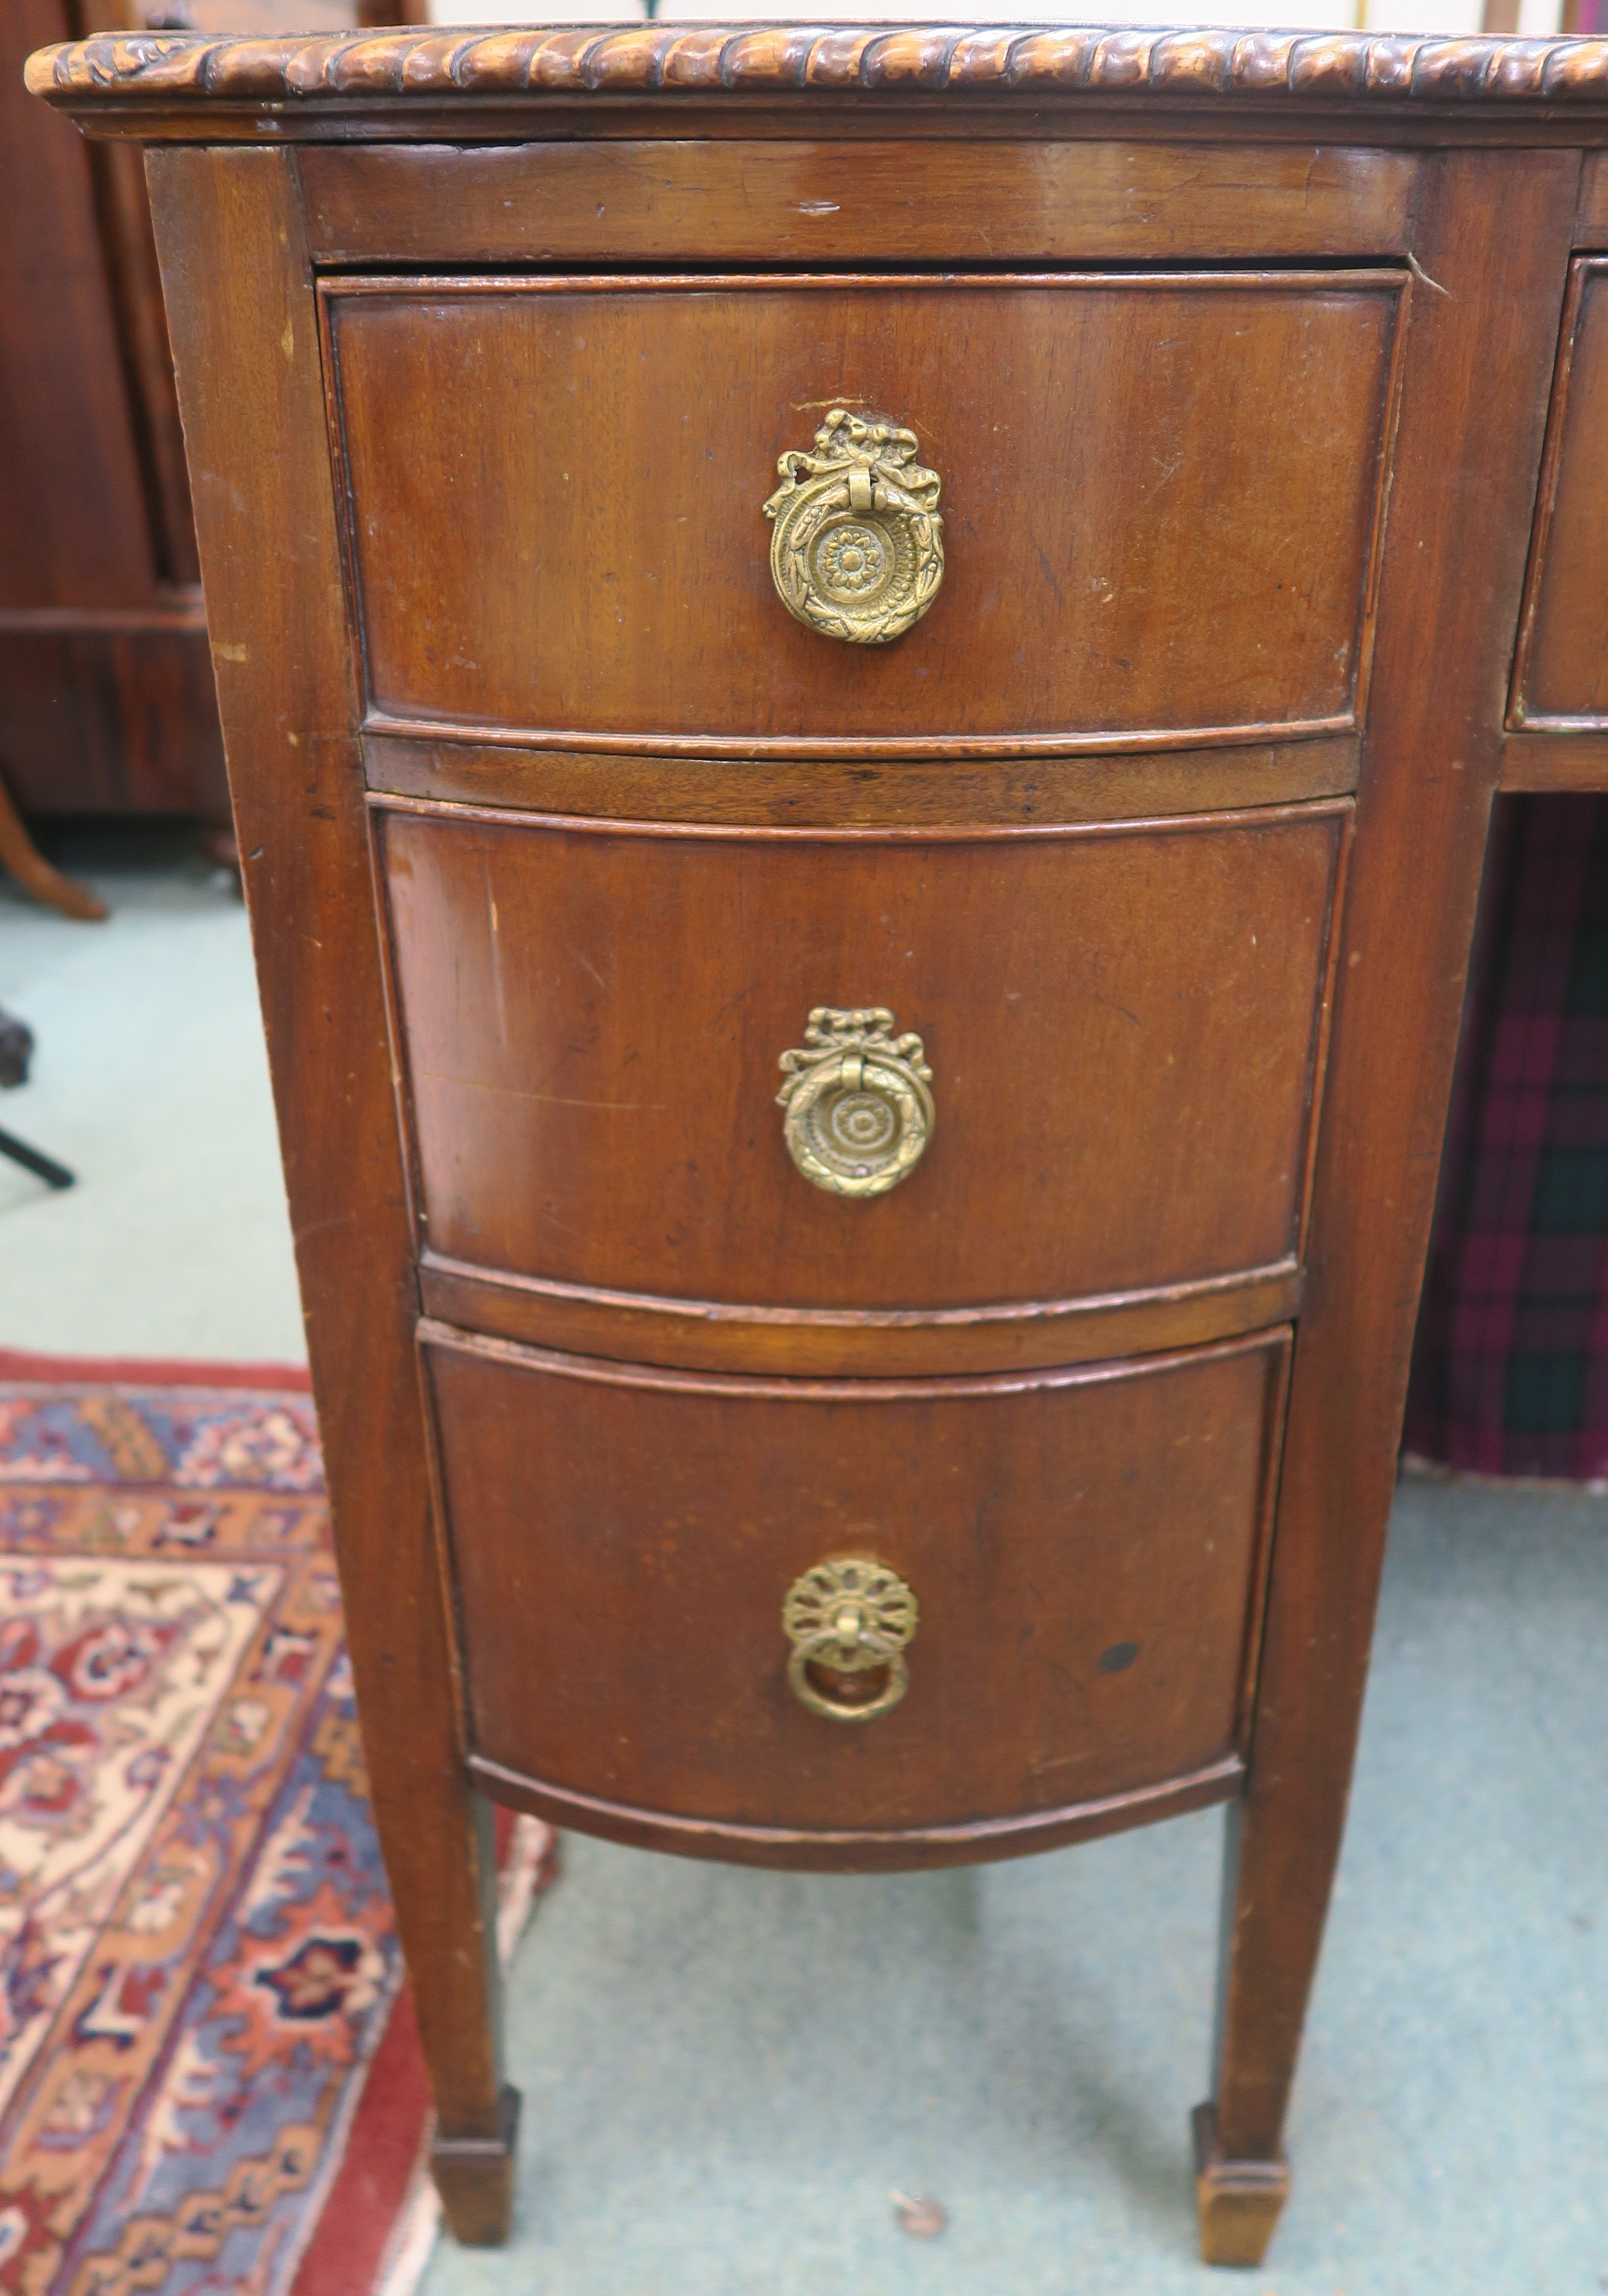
<point>831,1623</point>
<point>1094,509</point>
<point>846,1073</point>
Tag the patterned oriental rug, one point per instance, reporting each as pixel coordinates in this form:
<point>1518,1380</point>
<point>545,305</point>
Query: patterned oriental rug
<point>209,2076</point>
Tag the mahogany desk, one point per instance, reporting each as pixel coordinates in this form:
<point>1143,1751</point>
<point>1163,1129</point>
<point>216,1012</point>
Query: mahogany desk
<point>864,672</point>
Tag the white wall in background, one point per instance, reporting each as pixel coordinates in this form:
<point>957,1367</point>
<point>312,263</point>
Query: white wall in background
<point>503,11</point>
<point>1433,16</point>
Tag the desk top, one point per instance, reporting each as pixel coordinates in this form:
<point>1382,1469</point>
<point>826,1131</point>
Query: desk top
<point>404,85</point>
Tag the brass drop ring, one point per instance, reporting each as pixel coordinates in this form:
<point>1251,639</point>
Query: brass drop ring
<point>815,1651</point>
<point>851,1616</point>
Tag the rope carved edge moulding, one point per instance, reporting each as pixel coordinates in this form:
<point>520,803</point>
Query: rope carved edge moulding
<point>772,58</point>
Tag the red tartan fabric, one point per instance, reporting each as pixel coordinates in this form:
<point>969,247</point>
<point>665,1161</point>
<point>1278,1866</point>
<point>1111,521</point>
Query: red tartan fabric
<point>1510,1371</point>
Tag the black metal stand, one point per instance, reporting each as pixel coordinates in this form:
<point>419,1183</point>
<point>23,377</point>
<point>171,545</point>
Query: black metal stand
<point>53,1175</point>
<point>16,1050</point>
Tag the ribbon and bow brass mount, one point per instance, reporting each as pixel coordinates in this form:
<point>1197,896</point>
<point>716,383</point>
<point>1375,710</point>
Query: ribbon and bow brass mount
<point>857,544</point>
<point>858,1099</point>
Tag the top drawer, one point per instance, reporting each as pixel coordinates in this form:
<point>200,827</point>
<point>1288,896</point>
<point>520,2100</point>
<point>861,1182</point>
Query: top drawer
<point>1160,494</point>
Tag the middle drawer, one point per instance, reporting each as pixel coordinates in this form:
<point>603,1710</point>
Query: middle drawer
<point>1124,1027</point>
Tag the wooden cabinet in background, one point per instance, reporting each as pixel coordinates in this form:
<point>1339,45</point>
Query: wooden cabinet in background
<point>106,695</point>
<point>861,1098</point>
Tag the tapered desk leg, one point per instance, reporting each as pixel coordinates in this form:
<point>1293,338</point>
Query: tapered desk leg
<point>443,1880</point>
<point>475,2178</point>
<point>1475,405</point>
<point>1281,1849</point>
<point>440,1856</point>
<point>472,2151</point>
<point>1241,2185</point>
<point>1237,2202</point>
<point>238,274</point>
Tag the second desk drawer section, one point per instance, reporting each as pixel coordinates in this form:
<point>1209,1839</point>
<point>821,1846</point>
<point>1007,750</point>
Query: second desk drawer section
<point>1123,1028</point>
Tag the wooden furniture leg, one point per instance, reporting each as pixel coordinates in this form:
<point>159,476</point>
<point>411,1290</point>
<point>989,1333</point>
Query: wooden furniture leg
<point>1238,2203</point>
<point>34,873</point>
<point>289,713</point>
<point>1467,454</point>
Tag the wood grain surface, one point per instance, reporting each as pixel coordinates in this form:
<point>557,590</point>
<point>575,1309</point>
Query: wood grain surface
<point>106,702</point>
<point>1591,217</point>
<point>74,524</point>
<point>873,1342</point>
<point>557,493</point>
<point>825,1849</point>
<point>836,794</point>
<point>812,201</point>
<point>1555,761</point>
<point>111,713</point>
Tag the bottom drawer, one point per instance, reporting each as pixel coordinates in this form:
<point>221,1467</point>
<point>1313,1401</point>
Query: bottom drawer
<point>1083,1552</point>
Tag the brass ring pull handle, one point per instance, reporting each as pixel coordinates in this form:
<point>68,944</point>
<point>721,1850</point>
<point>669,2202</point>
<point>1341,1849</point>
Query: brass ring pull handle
<point>860,1112</point>
<point>849,1621</point>
<point>857,547</point>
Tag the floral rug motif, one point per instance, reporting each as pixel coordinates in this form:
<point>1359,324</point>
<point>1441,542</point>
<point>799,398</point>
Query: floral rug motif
<point>197,1956</point>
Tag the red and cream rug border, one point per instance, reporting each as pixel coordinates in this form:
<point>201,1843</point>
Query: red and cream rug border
<point>20,1366</point>
<point>378,2221</point>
